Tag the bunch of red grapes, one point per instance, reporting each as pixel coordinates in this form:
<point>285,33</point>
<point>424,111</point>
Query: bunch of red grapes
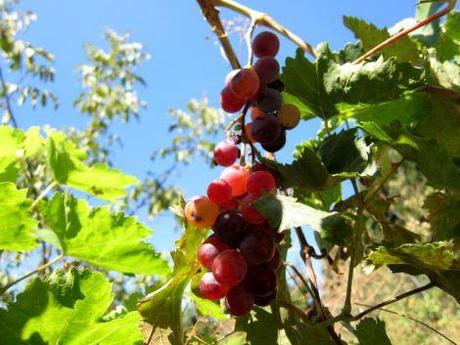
<point>241,255</point>
<point>260,87</point>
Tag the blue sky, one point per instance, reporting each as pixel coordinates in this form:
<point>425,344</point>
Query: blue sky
<point>185,63</point>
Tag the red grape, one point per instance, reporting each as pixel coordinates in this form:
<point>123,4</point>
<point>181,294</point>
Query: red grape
<point>219,191</point>
<point>260,280</point>
<point>257,248</point>
<point>201,212</point>
<point>225,154</point>
<point>209,250</point>
<point>260,182</point>
<point>272,171</point>
<point>265,128</point>
<point>248,132</point>
<point>270,100</point>
<point>231,204</point>
<point>211,289</point>
<point>268,69</point>
<point>250,213</point>
<point>265,44</point>
<point>229,267</point>
<point>230,227</point>
<point>237,177</point>
<point>277,144</point>
<point>238,301</point>
<point>229,101</point>
<point>245,83</point>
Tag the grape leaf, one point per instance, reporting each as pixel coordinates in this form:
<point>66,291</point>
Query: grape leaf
<point>342,152</point>
<point>428,34</point>
<point>161,309</point>
<point>327,87</point>
<point>372,331</point>
<point>404,49</point>
<point>109,240</point>
<point>285,213</point>
<point>66,162</point>
<point>260,326</point>
<point>443,216</point>
<point>306,171</point>
<point>11,145</point>
<point>66,310</point>
<point>448,47</point>
<point>16,222</point>
<point>431,256</point>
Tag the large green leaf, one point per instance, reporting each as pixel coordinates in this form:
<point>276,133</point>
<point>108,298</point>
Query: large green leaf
<point>161,309</point>
<point>67,163</point>
<point>16,222</point>
<point>404,49</point>
<point>428,34</point>
<point>327,87</point>
<point>286,213</point>
<point>448,47</point>
<point>432,256</point>
<point>372,331</point>
<point>66,309</point>
<point>109,240</point>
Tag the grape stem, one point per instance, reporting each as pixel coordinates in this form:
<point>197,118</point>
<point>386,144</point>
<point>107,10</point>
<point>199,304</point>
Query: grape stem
<point>450,6</point>
<point>208,7</point>
<point>260,18</point>
<point>39,269</point>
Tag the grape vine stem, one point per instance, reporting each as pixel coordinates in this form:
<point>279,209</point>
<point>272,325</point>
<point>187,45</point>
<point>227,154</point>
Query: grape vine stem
<point>450,6</point>
<point>39,269</point>
<point>209,9</point>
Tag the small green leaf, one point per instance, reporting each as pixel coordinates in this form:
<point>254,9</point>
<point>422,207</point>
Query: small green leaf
<point>432,256</point>
<point>372,331</point>
<point>109,240</point>
<point>286,213</point>
<point>404,49</point>
<point>260,326</point>
<point>17,224</point>
<point>66,309</point>
<point>444,215</point>
<point>343,152</point>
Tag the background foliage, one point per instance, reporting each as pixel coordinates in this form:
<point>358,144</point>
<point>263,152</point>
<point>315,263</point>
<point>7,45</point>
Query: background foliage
<point>391,125</point>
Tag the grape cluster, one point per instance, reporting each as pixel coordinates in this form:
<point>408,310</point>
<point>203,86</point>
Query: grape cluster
<point>241,255</point>
<point>260,87</point>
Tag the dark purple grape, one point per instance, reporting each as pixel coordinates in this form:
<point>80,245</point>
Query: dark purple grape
<point>268,69</point>
<point>265,44</point>
<point>265,128</point>
<point>238,301</point>
<point>277,85</point>
<point>263,301</point>
<point>230,227</point>
<point>275,261</point>
<point>257,248</point>
<point>277,144</point>
<point>270,100</point>
<point>260,280</point>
